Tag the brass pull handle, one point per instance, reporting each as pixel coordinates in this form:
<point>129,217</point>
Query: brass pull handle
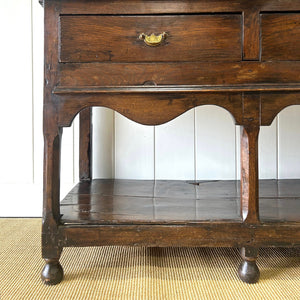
<point>153,40</point>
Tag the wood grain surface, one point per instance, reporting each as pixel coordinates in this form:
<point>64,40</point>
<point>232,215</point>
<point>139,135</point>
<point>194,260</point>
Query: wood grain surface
<point>189,73</point>
<point>173,6</point>
<point>281,36</point>
<point>116,38</point>
<point>176,202</point>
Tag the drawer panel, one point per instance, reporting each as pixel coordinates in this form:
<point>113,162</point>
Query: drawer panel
<point>213,73</point>
<point>116,38</point>
<point>280,36</point>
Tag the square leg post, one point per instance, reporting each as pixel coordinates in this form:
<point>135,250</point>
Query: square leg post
<point>248,270</point>
<point>51,250</point>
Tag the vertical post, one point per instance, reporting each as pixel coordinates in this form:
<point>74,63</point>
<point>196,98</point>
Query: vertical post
<point>251,44</point>
<point>51,250</point>
<point>249,158</point>
<point>85,145</point>
<point>52,154</point>
<point>248,270</point>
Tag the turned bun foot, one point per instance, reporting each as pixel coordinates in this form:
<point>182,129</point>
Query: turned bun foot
<point>248,270</point>
<point>52,273</point>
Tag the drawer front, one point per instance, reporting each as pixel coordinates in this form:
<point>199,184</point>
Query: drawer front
<point>189,73</point>
<point>280,36</point>
<point>117,38</point>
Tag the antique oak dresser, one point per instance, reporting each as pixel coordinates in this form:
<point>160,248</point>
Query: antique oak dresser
<point>152,61</point>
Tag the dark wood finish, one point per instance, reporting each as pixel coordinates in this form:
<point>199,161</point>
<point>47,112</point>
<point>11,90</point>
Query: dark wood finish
<point>251,46</point>
<point>174,6</point>
<point>280,36</point>
<point>146,108</point>
<point>163,89</point>
<point>249,163</point>
<point>248,270</point>
<point>85,144</point>
<point>205,234</point>
<point>273,103</point>
<point>52,273</point>
<point>52,139</point>
<point>150,202</point>
<point>189,38</point>
<point>175,202</point>
<point>202,73</point>
<point>243,56</point>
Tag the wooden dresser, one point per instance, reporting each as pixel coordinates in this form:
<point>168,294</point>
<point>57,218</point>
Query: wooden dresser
<point>152,61</point>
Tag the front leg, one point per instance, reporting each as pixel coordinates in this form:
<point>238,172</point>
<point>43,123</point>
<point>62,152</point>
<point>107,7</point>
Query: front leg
<point>51,250</point>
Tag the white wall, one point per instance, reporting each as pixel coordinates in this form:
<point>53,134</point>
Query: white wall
<point>203,143</point>
<point>21,77</point>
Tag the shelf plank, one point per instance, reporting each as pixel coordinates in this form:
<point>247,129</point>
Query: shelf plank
<point>110,202</point>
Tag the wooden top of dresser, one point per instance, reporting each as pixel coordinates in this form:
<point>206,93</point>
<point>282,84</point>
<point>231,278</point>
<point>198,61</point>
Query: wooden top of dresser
<point>172,6</point>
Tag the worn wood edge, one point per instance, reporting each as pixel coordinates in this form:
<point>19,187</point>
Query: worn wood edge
<point>155,7</point>
<point>160,222</point>
<point>204,234</point>
<point>175,89</point>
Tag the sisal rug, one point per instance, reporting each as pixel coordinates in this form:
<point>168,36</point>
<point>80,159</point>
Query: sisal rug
<point>139,273</point>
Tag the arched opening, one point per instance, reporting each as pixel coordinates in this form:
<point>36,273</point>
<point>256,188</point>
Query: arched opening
<point>185,169</point>
<point>280,190</point>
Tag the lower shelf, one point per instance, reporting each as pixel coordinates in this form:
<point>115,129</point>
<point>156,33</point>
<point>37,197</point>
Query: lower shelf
<point>175,202</point>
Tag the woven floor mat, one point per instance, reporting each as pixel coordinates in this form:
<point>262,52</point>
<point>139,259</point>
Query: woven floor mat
<point>139,273</point>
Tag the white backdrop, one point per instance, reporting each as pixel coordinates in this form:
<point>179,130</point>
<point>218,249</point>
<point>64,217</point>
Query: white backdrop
<point>203,143</point>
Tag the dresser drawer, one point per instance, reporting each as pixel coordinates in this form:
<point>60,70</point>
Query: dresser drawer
<point>99,38</point>
<point>280,36</point>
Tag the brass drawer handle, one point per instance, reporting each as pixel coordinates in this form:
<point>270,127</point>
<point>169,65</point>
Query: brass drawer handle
<point>153,40</point>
